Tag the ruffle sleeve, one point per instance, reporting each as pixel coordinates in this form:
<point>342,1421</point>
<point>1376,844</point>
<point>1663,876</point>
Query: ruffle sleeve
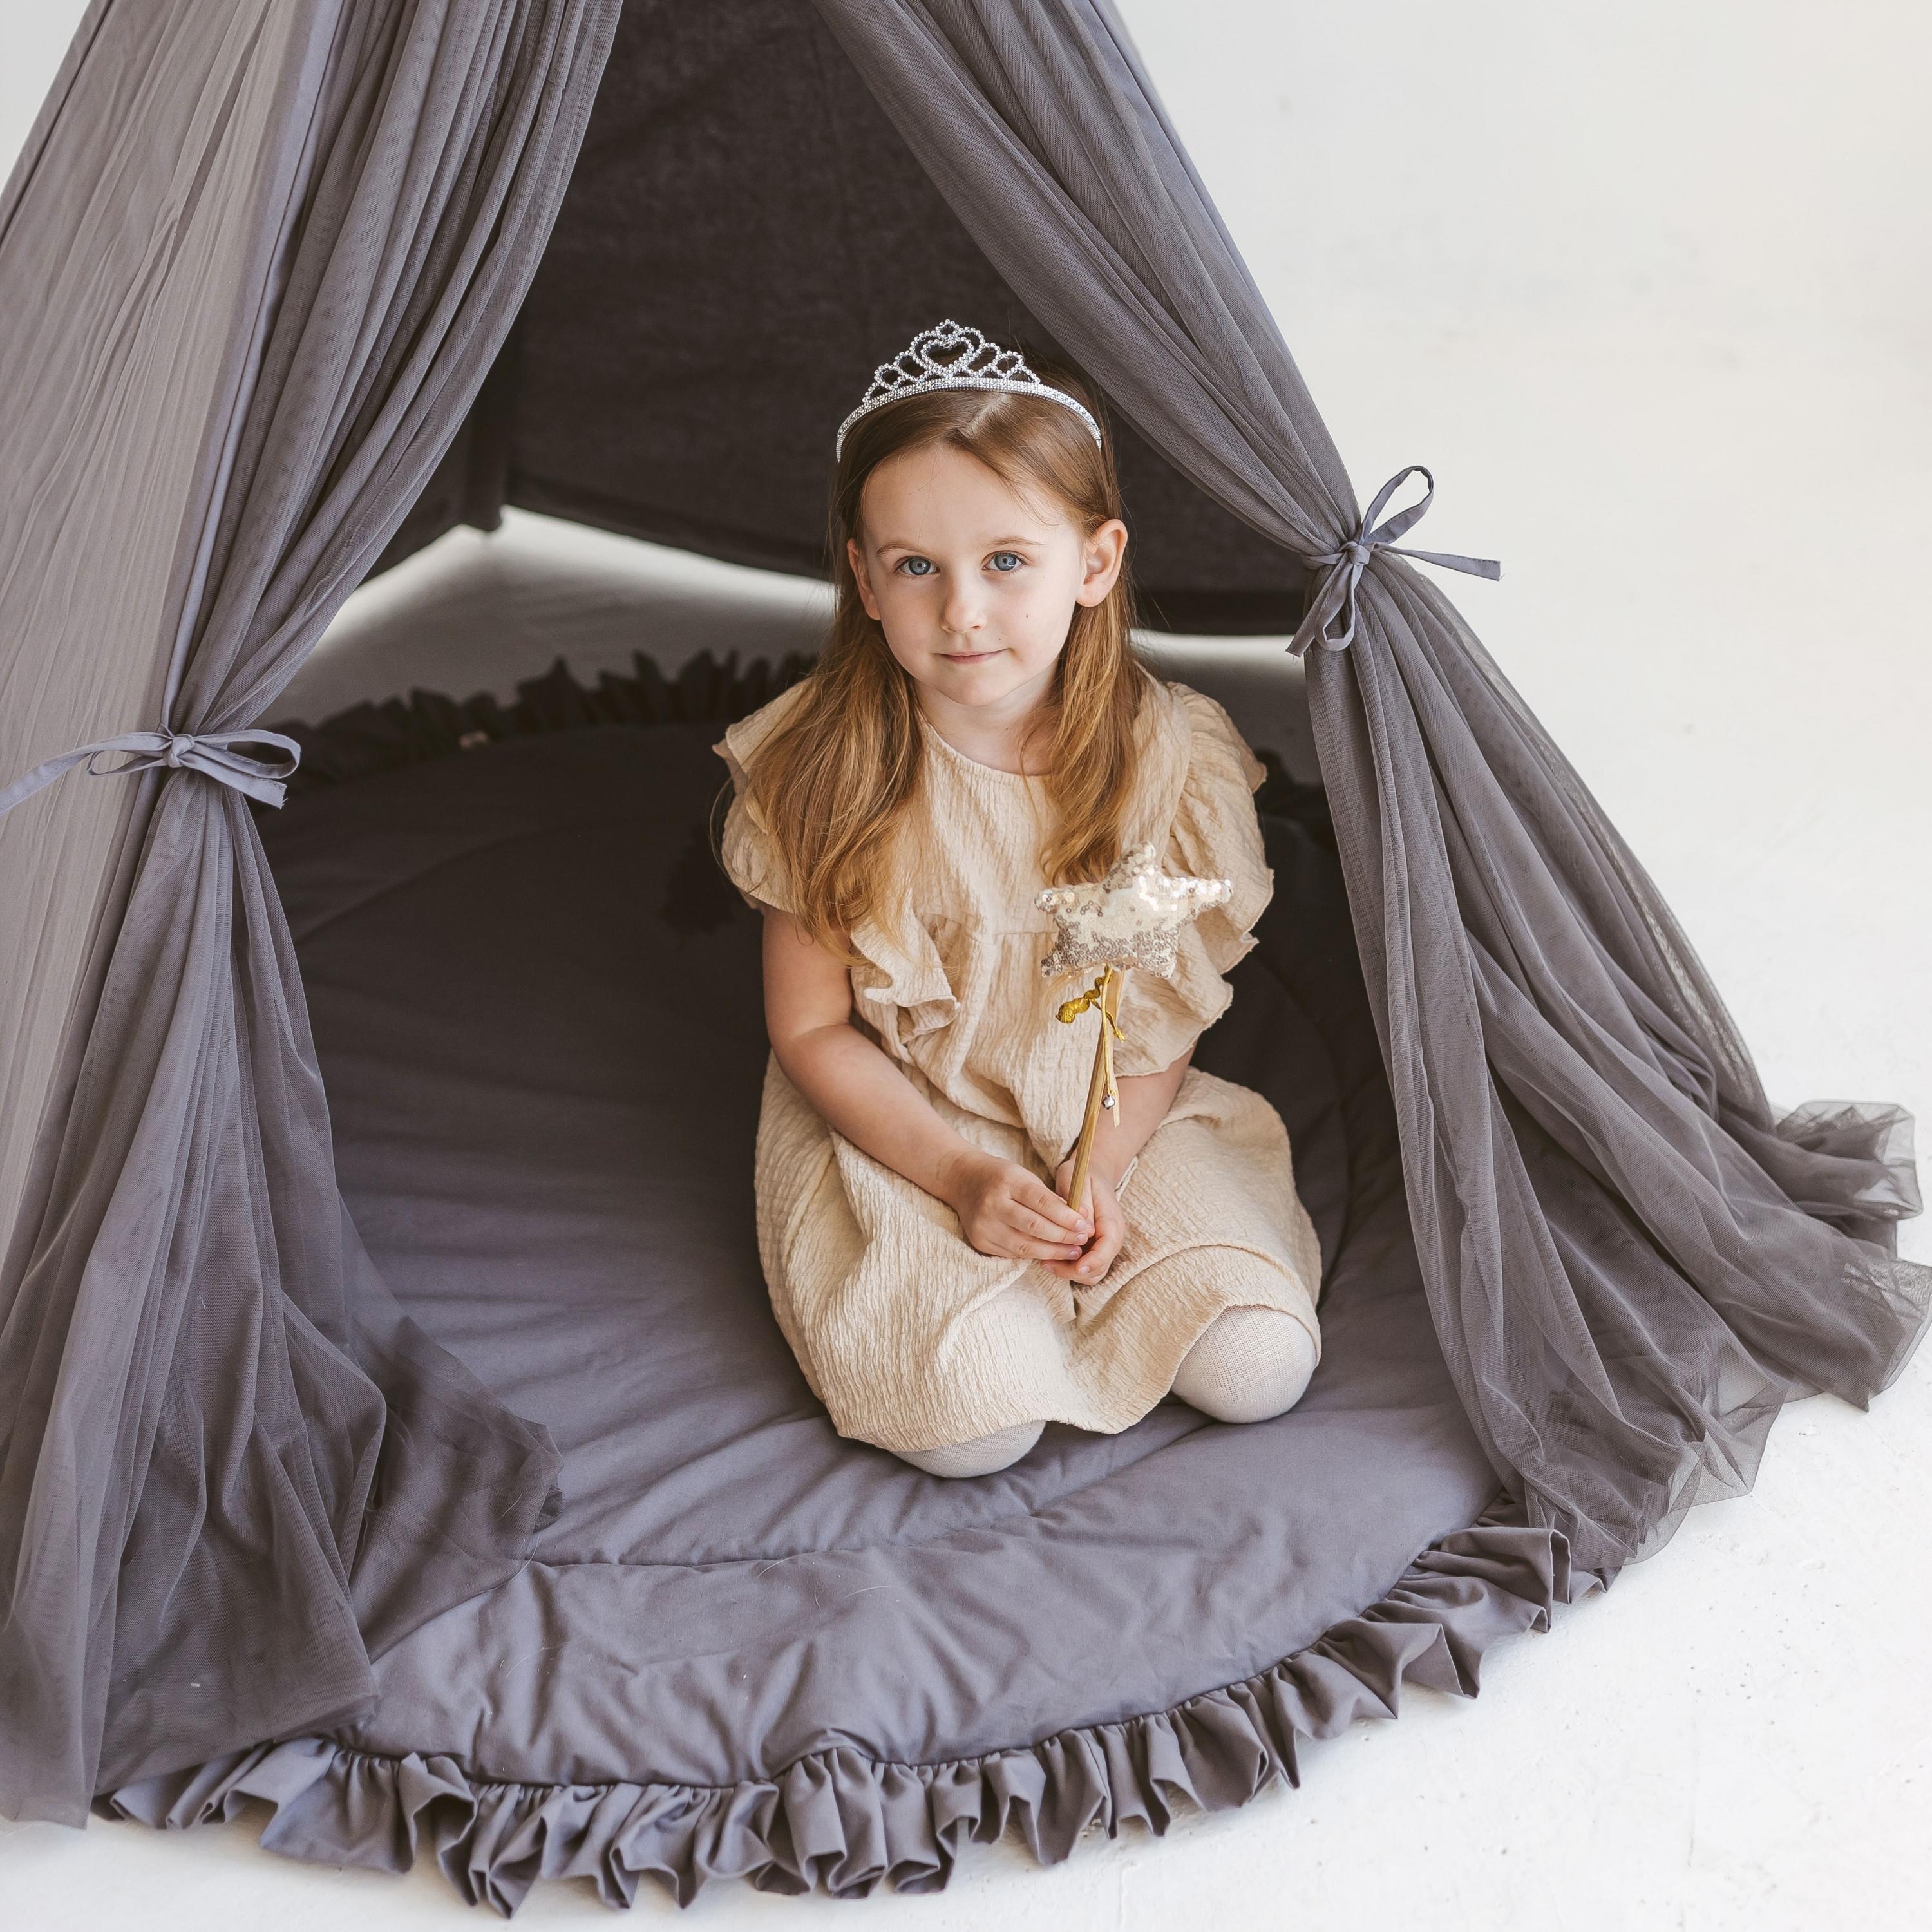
<point>749,853</point>
<point>900,989</point>
<point>1216,833</point>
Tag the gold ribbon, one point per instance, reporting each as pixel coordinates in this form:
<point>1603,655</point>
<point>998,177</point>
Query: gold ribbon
<point>1110,1030</point>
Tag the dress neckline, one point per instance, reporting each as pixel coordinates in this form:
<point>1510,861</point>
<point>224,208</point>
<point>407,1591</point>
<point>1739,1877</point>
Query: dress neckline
<point>952,752</point>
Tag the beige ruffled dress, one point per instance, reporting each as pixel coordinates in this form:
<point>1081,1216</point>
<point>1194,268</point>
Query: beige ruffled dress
<point>910,1337</point>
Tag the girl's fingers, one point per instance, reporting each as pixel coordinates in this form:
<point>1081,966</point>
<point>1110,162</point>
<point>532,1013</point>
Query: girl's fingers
<point>1046,1230</point>
<point>1041,1198</point>
<point>1009,1241</point>
<point>1030,1244</point>
<point>1109,1234</point>
<point>1058,1248</point>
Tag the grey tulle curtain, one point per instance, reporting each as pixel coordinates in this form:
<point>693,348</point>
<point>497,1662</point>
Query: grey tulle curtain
<point>1632,1260</point>
<point>204,1386</point>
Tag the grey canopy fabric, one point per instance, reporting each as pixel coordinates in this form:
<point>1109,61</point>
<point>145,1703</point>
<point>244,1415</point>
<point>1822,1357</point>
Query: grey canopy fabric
<point>230,1470</point>
<point>203,1385</point>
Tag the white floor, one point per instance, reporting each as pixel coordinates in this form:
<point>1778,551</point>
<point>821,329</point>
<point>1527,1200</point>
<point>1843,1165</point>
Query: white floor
<point>1648,290</point>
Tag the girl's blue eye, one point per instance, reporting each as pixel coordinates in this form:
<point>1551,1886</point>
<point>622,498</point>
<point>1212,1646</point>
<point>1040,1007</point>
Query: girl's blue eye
<point>906,565</point>
<point>1006,570</point>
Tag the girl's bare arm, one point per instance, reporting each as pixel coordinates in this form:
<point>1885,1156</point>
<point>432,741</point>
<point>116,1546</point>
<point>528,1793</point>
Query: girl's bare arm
<point>1144,1100</point>
<point>1003,1208</point>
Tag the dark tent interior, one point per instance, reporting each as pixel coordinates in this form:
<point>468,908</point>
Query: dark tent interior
<point>745,235</point>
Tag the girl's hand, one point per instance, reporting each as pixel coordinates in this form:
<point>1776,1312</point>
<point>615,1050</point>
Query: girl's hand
<point>1005,1209</point>
<point>1110,1227</point>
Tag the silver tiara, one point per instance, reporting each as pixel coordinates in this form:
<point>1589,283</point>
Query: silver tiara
<point>951,356</point>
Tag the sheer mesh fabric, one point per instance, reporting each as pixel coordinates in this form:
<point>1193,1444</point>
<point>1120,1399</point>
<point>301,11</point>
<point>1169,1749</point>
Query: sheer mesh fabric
<point>1659,1259</point>
<point>231,1469</point>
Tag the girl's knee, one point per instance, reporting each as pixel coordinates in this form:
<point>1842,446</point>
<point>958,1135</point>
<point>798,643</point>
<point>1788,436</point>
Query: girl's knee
<point>979,1457</point>
<point>1248,1364</point>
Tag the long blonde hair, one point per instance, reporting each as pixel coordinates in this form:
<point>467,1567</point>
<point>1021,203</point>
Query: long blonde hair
<point>835,778</point>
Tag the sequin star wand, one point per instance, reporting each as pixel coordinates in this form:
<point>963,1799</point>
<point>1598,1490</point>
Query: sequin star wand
<point>1132,917</point>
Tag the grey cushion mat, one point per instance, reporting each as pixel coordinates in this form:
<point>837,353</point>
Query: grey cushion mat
<point>536,1003</point>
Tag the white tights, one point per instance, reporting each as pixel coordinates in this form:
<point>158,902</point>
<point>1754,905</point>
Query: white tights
<point>1248,1364</point>
<point>979,1457</point>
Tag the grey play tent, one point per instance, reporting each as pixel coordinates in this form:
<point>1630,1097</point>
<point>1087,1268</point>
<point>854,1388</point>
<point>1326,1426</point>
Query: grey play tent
<point>413,1450</point>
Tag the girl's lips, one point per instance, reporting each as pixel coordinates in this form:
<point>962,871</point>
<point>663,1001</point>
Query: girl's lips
<point>968,657</point>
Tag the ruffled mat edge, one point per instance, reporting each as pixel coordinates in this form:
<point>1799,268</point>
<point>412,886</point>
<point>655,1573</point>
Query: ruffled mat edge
<point>846,1822</point>
<point>365,738</point>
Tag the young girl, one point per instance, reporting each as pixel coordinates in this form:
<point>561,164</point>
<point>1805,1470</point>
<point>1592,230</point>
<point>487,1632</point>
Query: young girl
<point>978,726</point>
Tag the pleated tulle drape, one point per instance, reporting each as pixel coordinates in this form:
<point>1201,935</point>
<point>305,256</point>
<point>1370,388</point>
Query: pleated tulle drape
<point>231,1470</point>
<point>1632,1259</point>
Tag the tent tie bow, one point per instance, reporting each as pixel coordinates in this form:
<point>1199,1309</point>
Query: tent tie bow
<point>1336,596</point>
<point>204,751</point>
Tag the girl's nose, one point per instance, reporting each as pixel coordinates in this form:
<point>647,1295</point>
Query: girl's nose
<point>962,614</point>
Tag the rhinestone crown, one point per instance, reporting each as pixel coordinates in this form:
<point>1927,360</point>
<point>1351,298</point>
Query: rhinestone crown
<point>951,356</point>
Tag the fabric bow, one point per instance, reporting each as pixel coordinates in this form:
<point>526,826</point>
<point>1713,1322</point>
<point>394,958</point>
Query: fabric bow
<point>1069,1010</point>
<point>205,751</point>
<point>1346,565</point>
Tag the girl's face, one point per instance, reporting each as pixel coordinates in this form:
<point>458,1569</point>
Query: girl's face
<point>973,584</point>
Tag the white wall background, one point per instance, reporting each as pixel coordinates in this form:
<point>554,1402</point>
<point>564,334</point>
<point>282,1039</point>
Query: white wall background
<point>1648,288</point>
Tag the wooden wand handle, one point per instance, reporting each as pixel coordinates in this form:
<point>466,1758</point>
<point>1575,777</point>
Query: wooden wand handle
<point>1096,1088</point>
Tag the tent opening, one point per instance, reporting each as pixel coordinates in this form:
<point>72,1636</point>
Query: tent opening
<point>745,235</point>
<point>536,1006</point>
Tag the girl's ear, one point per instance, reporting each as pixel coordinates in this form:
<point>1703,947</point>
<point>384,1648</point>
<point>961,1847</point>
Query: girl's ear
<point>857,558</point>
<point>1106,549</point>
